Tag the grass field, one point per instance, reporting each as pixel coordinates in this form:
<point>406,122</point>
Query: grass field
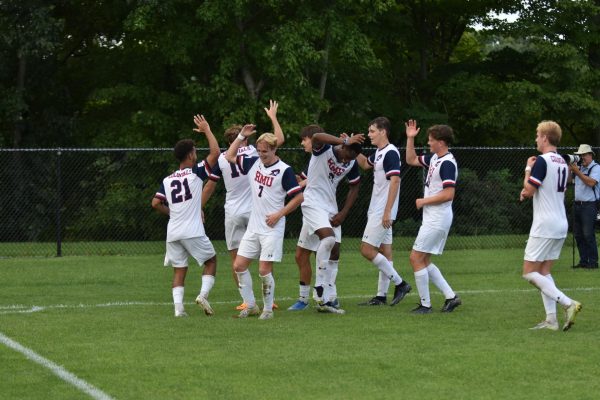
<point>109,322</point>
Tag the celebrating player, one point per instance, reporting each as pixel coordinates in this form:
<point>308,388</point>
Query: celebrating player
<point>180,197</point>
<point>238,199</point>
<point>436,203</point>
<point>546,181</point>
<point>332,159</point>
<point>271,181</point>
<point>376,243</point>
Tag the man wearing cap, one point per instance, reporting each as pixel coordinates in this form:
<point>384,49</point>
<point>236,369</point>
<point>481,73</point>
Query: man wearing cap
<point>587,176</point>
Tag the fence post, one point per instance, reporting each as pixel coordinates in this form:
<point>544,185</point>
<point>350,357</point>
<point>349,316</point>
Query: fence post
<point>58,205</point>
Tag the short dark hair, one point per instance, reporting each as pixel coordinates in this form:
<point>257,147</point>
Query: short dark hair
<point>310,130</point>
<point>232,132</point>
<point>441,132</point>
<point>183,148</point>
<point>355,147</point>
<point>382,123</point>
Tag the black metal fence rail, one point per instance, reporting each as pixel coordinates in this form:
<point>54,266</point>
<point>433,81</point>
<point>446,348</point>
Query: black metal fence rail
<point>97,201</point>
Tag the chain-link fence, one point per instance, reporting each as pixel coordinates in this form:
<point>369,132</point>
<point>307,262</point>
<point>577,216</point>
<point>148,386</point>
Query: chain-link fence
<point>97,201</point>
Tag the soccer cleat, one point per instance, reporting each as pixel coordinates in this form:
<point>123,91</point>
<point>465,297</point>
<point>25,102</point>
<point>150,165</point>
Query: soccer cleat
<point>241,307</point>
<point>205,305</point>
<point>451,304</point>
<point>553,326</point>
<point>571,312</point>
<point>275,306</point>
<point>248,312</point>
<point>400,291</point>
<point>329,308</point>
<point>180,314</point>
<point>421,309</point>
<point>266,315</point>
<point>375,301</point>
<point>298,306</point>
<point>335,303</point>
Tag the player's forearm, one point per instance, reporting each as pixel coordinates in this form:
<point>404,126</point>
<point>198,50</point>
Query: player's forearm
<point>213,146</point>
<point>326,138</point>
<point>278,132</point>
<point>445,195</point>
<point>350,199</point>
<point>292,204</point>
<point>392,194</point>
<point>208,191</point>
<point>231,153</point>
<point>362,162</point>
<point>411,153</point>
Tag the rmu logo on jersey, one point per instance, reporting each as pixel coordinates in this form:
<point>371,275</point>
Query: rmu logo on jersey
<point>432,168</point>
<point>334,168</point>
<point>379,157</point>
<point>263,179</point>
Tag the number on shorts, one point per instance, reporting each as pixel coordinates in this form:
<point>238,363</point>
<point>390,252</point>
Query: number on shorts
<point>176,196</point>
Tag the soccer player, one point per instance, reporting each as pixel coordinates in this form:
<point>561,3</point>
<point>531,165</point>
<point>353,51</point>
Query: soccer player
<point>238,199</point>
<point>376,243</point>
<point>546,181</point>
<point>180,197</point>
<point>332,159</point>
<point>436,203</point>
<point>271,181</point>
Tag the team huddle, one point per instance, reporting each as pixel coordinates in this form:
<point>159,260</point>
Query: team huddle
<point>261,189</point>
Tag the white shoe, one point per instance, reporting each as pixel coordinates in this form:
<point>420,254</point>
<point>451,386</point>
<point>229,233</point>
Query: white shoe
<point>553,326</point>
<point>205,305</point>
<point>248,312</point>
<point>329,308</point>
<point>571,313</point>
<point>180,314</point>
<point>266,315</point>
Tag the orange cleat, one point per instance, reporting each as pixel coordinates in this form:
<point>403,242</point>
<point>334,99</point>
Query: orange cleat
<point>242,306</point>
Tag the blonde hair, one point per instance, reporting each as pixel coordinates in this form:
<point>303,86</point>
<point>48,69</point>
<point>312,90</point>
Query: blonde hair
<point>551,130</point>
<point>268,138</point>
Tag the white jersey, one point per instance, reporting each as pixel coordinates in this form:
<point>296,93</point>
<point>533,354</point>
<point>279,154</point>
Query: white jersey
<point>269,185</point>
<point>325,173</point>
<point>386,163</point>
<point>442,172</point>
<point>238,199</point>
<point>549,176</point>
<point>182,191</point>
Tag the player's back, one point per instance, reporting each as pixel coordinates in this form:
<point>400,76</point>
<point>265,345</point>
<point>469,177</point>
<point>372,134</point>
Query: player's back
<point>238,198</point>
<point>549,216</point>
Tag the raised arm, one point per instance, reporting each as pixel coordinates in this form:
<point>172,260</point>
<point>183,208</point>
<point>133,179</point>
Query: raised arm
<point>411,133</point>
<point>344,139</point>
<point>231,153</point>
<point>203,127</point>
<point>272,113</point>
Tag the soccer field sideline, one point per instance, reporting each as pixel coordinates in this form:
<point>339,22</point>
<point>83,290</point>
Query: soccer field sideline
<point>25,309</point>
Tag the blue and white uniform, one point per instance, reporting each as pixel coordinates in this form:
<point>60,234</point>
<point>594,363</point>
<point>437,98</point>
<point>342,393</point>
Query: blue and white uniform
<point>442,172</point>
<point>386,163</point>
<point>182,191</point>
<point>238,198</point>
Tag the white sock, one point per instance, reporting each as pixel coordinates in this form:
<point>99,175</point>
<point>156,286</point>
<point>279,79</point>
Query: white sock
<point>245,287</point>
<point>548,288</point>
<point>178,298</point>
<point>383,284</point>
<point>436,277</point>
<point>304,292</point>
<point>333,270</point>
<point>549,304</point>
<point>322,261</point>
<point>268,289</point>
<point>422,281</point>
<point>386,267</point>
<point>208,282</point>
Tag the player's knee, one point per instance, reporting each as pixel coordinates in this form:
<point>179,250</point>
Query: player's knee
<point>327,243</point>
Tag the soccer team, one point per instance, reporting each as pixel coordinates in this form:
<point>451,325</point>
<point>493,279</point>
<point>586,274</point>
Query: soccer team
<point>258,182</point>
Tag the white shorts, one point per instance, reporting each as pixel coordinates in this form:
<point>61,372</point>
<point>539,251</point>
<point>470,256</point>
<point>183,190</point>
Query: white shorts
<point>315,218</point>
<point>375,234</point>
<point>311,241</point>
<point>178,251</point>
<point>262,247</point>
<point>543,249</point>
<point>235,227</point>
<point>430,240</point>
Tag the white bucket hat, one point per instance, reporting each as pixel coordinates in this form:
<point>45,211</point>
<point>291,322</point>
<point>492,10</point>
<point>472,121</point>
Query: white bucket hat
<point>584,149</point>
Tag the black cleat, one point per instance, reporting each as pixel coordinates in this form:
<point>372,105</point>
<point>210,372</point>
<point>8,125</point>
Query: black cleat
<point>421,309</point>
<point>400,291</point>
<point>375,301</point>
<point>451,304</point>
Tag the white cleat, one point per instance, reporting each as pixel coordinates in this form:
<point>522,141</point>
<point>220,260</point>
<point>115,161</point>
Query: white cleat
<point>205,305</point>
<point>248,312</point>
<point>553,326</point>
<point>571,312</point>
<point>266,315</point>
<point>180,314</point>
<point>329,308</point>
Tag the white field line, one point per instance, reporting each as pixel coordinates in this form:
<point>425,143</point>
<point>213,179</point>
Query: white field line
<point>56,369</point>
<point>27,309</point>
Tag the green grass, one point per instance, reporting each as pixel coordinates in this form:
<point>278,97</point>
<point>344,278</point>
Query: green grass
<point>140,351</point>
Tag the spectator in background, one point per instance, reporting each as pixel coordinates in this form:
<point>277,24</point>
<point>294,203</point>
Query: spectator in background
<point>587,175</point>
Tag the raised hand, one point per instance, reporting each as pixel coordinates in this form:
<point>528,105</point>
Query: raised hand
<point>248,130</point>
<point>272,110</point>
<point>411,128</point>
<point>356,138</point>
<point>201,124</point>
